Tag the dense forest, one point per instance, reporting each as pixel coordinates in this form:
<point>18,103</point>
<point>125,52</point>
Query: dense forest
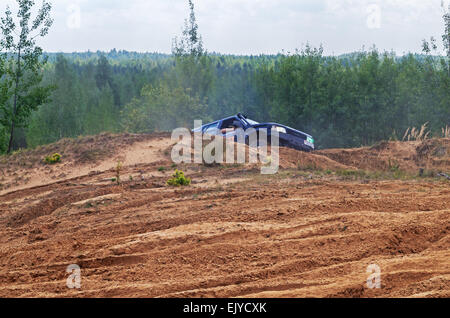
<point>343,101</point>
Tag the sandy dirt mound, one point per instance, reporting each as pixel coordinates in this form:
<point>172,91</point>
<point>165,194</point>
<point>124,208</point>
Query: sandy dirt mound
<point>411,156</point>
<point>434,154</point>
<point>430,155</point>
<point>80,157</point>
<point>290,158</point>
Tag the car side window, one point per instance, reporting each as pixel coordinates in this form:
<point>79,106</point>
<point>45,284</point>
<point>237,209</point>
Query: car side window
<point>231,123</point>
<point>226,124</point>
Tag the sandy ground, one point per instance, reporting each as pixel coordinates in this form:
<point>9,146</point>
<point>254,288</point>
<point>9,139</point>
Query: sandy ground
<point>232,233</point>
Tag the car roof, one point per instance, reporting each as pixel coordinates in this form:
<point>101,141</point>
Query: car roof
<point>217,121</point>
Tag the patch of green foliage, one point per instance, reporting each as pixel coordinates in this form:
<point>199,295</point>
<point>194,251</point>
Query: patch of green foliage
<point>53,159</point>
<point>21,68</point>
<point>178,179</point>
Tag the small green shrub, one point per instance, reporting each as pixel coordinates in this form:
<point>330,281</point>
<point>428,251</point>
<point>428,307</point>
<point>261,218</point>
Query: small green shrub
<point>55,158</point>
<point>178,179</point>
<point>161,169</point>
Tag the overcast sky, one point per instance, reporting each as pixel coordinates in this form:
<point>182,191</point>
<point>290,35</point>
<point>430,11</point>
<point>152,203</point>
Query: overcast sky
<point>244,26</point>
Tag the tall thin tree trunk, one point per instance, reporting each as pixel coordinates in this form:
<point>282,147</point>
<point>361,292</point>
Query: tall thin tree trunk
<point>13,122</point>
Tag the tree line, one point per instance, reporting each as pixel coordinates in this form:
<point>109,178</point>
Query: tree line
<point>343,101</point>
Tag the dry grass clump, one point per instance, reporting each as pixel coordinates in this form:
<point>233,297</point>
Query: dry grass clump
<point>446,132</point>
<point>413,133</point>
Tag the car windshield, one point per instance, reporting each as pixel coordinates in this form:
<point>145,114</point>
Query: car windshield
<point>211,127</point>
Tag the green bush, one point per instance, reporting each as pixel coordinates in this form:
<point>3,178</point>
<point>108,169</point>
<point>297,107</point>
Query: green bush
<point>55,158</point>
<point>178,179</point>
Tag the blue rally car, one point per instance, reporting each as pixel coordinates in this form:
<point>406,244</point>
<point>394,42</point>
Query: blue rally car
<point>289,137</point>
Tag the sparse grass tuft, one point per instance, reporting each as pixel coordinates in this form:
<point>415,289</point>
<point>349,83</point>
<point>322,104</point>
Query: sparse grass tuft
<point>118,169</point>
<point>351,174</point>
<point>393,165</point>
<point>423,173</point>
<point>395,173</point>
<point>88,155</point>
<point>308,167</point>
